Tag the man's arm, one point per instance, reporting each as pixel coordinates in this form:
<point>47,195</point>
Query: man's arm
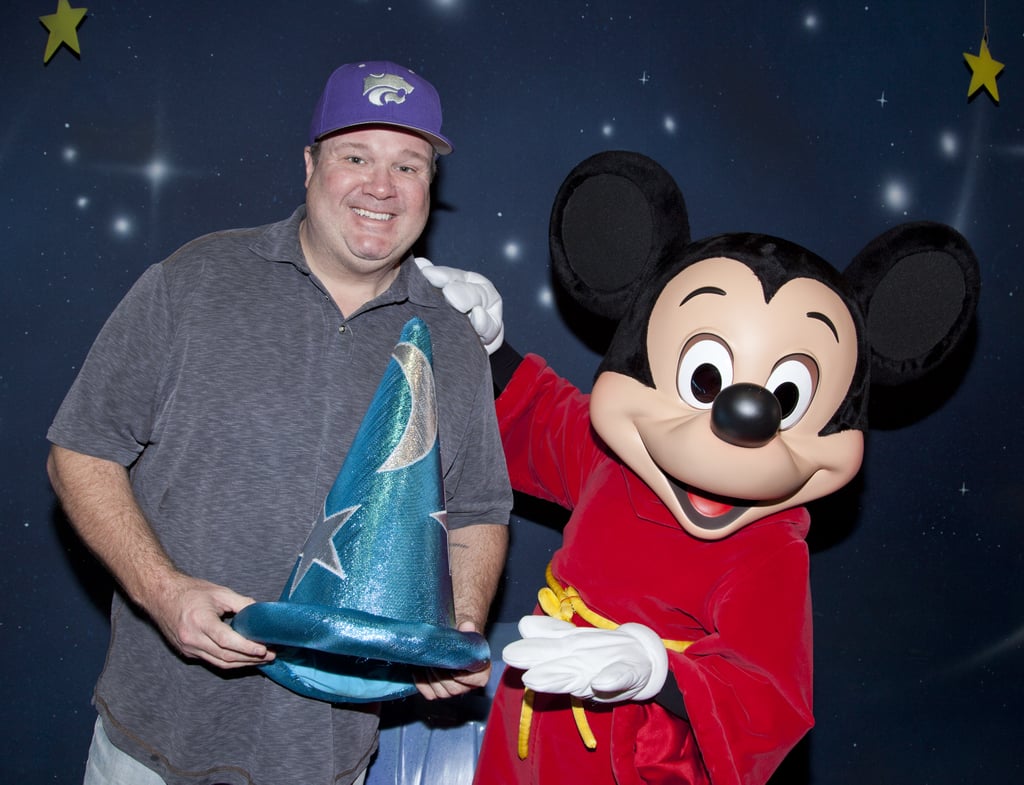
<point>99,502</point>
<point>477,557</point>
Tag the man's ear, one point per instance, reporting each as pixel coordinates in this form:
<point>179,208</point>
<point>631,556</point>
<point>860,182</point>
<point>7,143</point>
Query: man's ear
<point>310,160</point>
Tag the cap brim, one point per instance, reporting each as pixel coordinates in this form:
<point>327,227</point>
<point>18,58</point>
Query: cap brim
<point>346,655</point>
<point>441,145</point>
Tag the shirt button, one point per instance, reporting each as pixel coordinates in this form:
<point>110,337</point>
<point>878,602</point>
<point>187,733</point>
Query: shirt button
<point>341,329</point>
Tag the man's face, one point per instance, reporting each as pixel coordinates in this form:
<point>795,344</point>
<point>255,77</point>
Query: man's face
<point>367,199</point>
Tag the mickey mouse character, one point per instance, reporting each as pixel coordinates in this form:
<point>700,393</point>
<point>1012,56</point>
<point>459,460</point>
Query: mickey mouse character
<point>673,641</point>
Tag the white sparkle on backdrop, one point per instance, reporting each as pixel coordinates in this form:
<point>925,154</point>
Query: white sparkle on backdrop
<point>545,297</point>
<point>157,171</point>
<point>949,144</point>
<point>896,196</point>
<point>122,226</point>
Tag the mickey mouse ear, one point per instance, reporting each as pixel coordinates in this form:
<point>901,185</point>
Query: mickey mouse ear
<point>614,216</point>
<point>918,285</point>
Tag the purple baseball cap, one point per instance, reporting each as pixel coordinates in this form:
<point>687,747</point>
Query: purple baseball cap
<point>379,93</point>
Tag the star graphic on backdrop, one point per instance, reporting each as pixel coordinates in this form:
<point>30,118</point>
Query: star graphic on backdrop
<point>63,25</point>
<point>883,100</point>
<point>320,548</point>
<point>984,71</point>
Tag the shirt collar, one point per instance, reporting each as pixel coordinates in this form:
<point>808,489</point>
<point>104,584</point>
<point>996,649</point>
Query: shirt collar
<point>279,242</point>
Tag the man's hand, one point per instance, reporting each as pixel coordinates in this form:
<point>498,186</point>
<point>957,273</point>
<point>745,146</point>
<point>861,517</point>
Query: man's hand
<point>627,663</point>
<point>190,614</point>
<point>434,683</point>
<point>472,294</point>
<point>477,556</point>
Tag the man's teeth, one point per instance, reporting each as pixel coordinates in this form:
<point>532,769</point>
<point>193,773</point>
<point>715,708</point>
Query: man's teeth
<point>375,216</point>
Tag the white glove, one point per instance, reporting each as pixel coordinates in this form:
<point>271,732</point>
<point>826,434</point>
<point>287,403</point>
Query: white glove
<point>471,294</point>
<point>627,663</point>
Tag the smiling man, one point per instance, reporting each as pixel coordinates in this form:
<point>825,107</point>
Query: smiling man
<point>195,450</point>
<point>367,201</point>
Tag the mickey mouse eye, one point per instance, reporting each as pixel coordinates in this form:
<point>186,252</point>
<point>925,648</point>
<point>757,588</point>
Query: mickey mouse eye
<point>705,369</point>
<point>793,383</point>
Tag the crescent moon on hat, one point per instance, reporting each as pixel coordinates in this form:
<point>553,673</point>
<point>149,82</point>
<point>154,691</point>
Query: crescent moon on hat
<point>421,430</point>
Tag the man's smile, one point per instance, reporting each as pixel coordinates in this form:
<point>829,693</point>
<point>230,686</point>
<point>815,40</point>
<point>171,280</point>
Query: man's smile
<point>363,213</point>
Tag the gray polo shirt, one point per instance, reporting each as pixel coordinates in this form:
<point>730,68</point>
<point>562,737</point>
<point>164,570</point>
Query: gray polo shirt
<point>232,386</point>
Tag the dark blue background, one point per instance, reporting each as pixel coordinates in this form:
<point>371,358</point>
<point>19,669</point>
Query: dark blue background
<point>178,119</point>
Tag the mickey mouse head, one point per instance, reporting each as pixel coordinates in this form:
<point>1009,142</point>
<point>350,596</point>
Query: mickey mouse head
<point>736,382</point>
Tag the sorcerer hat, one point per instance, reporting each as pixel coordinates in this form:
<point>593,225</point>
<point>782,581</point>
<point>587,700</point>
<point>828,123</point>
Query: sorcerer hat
<point>370,596</point>
<point>379,93</point>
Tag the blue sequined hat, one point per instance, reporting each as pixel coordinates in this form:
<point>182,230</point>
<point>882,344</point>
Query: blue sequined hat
<point>370,596</point>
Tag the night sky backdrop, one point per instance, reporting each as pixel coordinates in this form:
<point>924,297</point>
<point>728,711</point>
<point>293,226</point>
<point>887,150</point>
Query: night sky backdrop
<point>823,122</point>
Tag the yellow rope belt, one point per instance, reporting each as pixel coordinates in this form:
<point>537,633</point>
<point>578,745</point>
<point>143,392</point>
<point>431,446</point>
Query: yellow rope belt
<point>563,602</point>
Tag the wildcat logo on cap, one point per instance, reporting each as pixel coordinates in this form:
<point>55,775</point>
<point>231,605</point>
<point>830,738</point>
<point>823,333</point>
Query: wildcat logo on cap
<point>386,89</point>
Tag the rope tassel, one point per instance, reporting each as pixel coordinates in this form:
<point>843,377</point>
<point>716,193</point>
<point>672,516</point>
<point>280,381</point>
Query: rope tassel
<point>564,602</point>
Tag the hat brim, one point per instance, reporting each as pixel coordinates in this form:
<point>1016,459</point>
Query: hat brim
<point>441,145</point>
<point>347,655</point>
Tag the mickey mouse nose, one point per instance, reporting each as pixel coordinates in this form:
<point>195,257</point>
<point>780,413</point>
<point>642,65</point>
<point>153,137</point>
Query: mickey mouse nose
<point>746,415</point>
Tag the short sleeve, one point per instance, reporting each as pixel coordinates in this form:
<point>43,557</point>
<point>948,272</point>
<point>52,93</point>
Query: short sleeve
<point>479,490</point>
<point>111,408</point>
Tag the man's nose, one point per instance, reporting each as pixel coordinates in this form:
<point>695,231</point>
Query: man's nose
<point>380,182</point>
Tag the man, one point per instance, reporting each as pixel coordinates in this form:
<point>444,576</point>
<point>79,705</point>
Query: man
<point>199,441</point>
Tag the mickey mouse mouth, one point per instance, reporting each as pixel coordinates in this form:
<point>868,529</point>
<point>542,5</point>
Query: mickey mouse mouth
<point>711,513</point>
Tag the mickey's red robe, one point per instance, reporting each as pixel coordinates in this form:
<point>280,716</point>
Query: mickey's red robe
<point>744,601</point>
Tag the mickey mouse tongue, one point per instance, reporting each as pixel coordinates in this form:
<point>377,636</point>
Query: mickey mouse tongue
<point>705,513</point>
<point>707,507</point>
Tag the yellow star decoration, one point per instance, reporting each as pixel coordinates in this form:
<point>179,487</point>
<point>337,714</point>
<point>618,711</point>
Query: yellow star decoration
<point>984,71</point>
<point>63,26</point>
